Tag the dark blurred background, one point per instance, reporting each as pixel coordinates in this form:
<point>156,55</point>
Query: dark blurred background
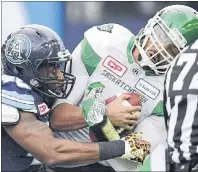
<point>71,19</point>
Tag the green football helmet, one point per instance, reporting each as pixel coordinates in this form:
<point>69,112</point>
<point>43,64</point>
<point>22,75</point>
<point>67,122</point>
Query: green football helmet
<point>170,31</point>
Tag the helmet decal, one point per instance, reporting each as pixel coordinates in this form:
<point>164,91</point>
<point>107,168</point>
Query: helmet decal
<point>18,49</point>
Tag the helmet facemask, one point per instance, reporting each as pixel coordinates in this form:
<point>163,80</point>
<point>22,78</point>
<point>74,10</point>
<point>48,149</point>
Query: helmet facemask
<point>47,81</point>
<point>158,45</point>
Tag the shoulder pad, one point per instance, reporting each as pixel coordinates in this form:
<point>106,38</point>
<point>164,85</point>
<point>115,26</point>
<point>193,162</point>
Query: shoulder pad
<point>119,38</point>
<point>10,115</point>
<point>116,32</point>
<point>18,94</point>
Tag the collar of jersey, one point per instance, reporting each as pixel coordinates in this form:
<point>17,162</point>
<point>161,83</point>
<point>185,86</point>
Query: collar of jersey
<point>130,48</point>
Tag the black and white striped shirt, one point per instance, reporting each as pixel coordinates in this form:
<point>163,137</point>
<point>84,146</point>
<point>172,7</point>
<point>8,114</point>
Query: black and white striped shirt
<point>181,105</point>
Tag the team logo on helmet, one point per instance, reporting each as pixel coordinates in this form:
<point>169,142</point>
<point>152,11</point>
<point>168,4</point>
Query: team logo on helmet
<point>18,49</point>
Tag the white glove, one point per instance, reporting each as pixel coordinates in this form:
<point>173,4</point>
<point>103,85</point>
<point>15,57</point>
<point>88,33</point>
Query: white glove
<point>136,149</point>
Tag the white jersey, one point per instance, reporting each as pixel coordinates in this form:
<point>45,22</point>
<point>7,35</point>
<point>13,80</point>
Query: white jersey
<point>105,56</point>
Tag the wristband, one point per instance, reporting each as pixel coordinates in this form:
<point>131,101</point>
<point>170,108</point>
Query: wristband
<point>112,149</point>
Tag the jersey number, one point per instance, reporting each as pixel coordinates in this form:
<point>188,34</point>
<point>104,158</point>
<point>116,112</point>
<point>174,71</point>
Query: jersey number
<point>189,59</point>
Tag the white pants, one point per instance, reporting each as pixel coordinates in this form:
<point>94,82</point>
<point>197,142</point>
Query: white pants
<point>156,161</point>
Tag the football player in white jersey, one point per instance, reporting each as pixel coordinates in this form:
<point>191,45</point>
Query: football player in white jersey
<point>112,57</point>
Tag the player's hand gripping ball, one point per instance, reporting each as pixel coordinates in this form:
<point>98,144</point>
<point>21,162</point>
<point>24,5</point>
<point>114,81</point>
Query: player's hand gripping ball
<point>133,100</point>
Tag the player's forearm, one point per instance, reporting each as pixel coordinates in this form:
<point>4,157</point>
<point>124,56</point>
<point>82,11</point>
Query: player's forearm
<point>67,117</point>
<point>70,152</point>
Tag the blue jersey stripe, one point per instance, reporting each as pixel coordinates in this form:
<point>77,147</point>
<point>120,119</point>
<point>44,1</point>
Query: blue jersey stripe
<point>19,105</point>
<point>14,94</point>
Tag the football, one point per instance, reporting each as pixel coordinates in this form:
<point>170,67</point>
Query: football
<point>133,100</point>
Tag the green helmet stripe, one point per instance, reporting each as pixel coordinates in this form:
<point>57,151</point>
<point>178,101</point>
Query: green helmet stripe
<point>185,22</point>
<point>190,30</point>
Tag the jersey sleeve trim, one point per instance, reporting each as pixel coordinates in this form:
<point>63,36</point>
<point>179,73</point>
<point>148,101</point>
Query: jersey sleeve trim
<point>17,103</point>
<point>159,109</point>
<point>89,57</point>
